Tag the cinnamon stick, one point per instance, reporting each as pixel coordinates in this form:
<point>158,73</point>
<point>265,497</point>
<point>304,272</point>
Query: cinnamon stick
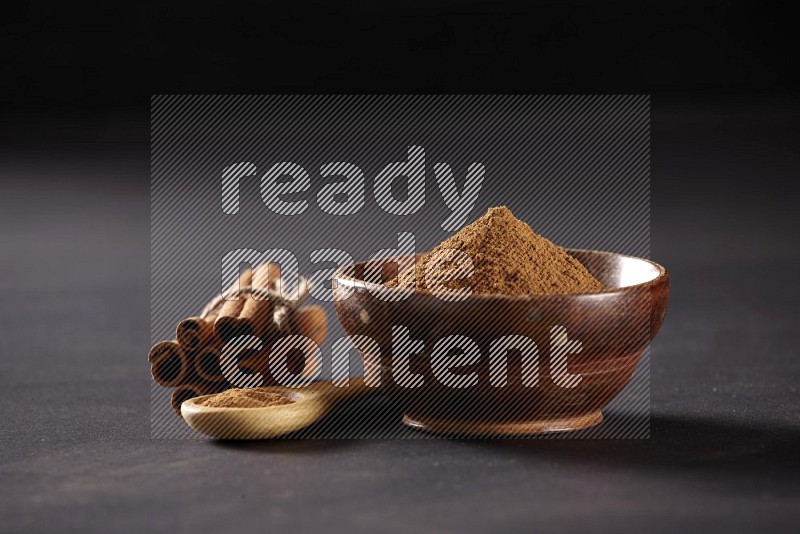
<point>169,364</point>
<point>312,322</point>
<point>227,324</point>
<point>257,362</point>
<point>194,333</point>
<point>257,309</point>
<point>207,365</point>
<point>297,363</point>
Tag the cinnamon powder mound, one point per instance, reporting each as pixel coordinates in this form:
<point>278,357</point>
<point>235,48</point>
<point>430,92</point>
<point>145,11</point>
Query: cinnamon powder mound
<point>245,398</point>
<point>508,258</point>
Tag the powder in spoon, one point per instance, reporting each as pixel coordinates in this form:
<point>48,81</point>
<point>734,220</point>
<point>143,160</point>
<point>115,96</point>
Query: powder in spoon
<point>245,398</point>
<point>508,258</point>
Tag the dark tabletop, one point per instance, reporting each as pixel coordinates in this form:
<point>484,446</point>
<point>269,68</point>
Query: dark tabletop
<point>76,452</point>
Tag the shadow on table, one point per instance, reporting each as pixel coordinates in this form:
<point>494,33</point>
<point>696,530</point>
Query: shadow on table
<point>719,451</point>
<point>365,418</point>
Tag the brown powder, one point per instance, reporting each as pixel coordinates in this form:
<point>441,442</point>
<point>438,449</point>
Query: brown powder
<point>508,258</point>
<point>245,398</point>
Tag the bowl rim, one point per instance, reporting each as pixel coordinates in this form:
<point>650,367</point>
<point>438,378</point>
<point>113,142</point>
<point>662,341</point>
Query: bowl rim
<point>662,276</point>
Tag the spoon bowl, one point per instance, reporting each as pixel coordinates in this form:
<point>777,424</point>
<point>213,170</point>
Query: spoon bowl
<point>308,405</point>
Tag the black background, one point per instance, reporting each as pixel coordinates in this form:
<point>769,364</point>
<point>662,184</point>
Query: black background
<point>75,451</point>
<point>102,54</point>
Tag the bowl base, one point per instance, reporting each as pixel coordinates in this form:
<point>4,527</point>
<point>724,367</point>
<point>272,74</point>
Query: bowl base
<point>504,428</point>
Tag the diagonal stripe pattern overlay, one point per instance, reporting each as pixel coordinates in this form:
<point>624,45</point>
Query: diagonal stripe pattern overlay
<point>576,168</point>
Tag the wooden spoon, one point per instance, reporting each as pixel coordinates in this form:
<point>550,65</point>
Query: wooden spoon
<point>309,404</point>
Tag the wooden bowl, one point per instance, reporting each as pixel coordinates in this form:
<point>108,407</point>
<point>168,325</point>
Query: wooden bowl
<point>574,352</point>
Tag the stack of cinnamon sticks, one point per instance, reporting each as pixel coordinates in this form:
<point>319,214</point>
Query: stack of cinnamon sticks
<point>190,364</point>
